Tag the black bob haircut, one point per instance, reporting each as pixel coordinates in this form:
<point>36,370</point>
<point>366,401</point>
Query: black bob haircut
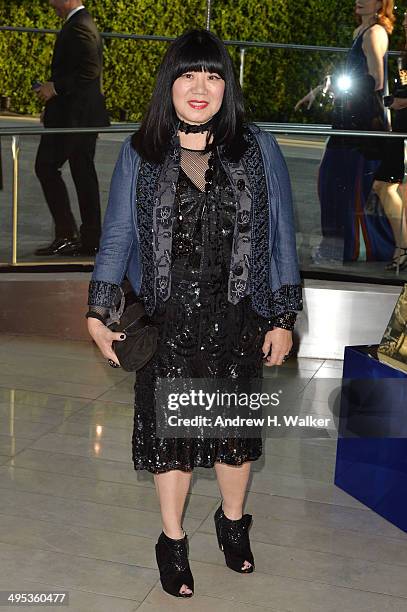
<point>194,51</point>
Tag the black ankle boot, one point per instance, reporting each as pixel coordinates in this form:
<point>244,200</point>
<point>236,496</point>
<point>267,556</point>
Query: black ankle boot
<point>233,540</point>
<point>172,561</point>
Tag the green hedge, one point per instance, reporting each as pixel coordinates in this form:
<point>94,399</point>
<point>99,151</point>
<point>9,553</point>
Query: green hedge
<point>273,79</point>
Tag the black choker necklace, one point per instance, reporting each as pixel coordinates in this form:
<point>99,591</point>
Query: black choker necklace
<point>188,128</point>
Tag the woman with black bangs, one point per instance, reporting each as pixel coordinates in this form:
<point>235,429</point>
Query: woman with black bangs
<point>211,253</point>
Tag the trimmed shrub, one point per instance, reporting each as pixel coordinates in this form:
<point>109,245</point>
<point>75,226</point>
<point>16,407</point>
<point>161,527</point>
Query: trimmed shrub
<point>273,79</point>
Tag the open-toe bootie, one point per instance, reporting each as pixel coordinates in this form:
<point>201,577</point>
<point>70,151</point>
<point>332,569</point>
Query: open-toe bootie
<point>172,561</point>
<point>233,540</point>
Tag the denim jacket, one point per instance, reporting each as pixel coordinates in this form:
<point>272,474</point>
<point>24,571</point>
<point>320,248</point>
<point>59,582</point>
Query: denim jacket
<point>120,252</point>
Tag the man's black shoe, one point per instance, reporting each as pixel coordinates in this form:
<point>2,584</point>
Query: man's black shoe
<point>55,246</point>
<point>75,249</point>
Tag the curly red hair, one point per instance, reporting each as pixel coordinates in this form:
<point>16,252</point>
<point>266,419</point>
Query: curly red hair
<point>385,16</point>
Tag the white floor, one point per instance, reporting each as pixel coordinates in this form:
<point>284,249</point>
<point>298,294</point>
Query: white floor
<point>75,516</point>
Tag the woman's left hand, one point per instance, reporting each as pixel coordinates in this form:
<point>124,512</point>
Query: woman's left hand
<point>280,341</point>
<point>399,104</point>
<point>46,91</point>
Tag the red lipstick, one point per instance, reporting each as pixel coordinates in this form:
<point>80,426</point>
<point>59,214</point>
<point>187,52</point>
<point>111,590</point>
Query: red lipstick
<point>198,104</point>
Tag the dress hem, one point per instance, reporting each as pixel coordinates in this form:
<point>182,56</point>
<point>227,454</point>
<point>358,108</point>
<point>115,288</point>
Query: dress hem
<point>184,468</point>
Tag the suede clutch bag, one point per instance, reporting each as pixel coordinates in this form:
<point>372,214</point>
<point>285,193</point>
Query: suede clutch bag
<point>141,336</point>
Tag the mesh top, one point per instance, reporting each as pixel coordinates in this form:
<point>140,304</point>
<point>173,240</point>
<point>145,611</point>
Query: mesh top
<point>195,164</point>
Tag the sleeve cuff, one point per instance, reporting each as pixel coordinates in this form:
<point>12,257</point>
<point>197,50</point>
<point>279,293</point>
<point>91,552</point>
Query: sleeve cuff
<point>286,299</point>
<point>285,321</point>
<point>102,293</point>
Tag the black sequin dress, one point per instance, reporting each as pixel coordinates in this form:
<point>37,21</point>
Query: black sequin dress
<point>201,334</point>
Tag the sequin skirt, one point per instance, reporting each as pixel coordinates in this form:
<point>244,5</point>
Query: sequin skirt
<point>201,335</point>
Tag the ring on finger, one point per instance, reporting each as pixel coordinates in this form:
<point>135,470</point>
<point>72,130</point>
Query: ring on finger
<point>112,363</point>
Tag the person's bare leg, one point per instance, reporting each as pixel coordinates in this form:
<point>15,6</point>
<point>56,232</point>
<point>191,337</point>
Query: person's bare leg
<point>232,481</point>
<point>403,194</point>
<point>172,488</point>
<point>393,207</point>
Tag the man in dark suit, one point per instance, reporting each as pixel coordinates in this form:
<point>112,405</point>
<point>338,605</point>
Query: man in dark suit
<point>73,98</point>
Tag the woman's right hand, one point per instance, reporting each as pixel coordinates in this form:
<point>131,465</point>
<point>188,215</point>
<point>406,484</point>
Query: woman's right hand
<point>104,338</point>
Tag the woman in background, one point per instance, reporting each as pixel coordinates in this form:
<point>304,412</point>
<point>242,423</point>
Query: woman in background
<point>350,231</point>
<point>390,174</point>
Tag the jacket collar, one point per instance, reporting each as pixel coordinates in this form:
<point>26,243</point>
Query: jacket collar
<point>74,11</point>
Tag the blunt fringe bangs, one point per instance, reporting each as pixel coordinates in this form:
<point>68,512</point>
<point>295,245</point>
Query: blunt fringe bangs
<point>199,53</point>
<point>194,51</point>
